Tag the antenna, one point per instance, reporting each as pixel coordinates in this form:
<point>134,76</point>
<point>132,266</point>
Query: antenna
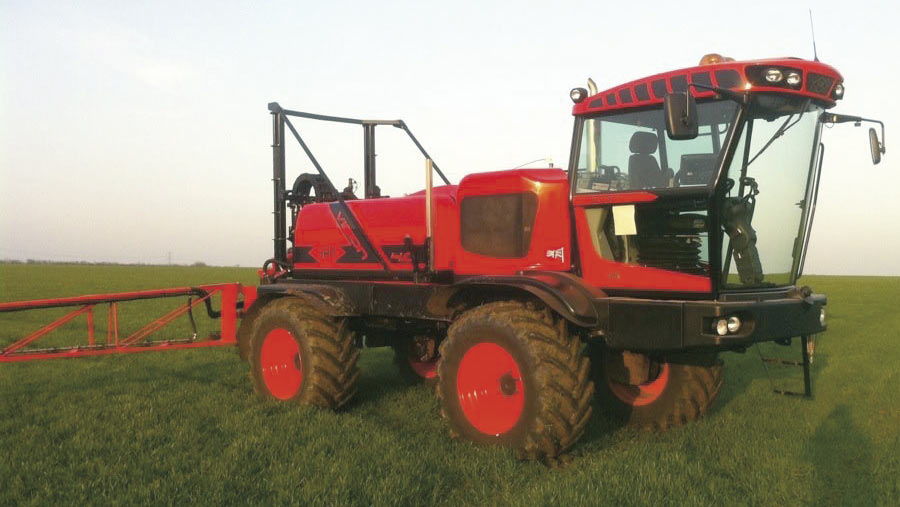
<point>813,31</point>
<point>546,159</point>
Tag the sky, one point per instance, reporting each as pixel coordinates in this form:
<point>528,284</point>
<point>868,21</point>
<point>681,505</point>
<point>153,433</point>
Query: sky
<point>139,132</point>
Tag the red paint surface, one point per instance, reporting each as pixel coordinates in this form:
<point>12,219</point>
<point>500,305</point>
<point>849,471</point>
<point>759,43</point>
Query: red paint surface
<point>387,222</point>
<point>424,369</point>
<point>139,340</point>
<point>74,352</point>
<point>281,364</point>
<point>609,274</point>
<point>105,298</point>
<point>643,394</point>
<point>600,198</point>
<point>550,230</point>
<point>485,406</point>
<point>804,66</point>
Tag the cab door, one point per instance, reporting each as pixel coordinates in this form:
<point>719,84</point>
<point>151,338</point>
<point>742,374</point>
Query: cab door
<point>640,205</point>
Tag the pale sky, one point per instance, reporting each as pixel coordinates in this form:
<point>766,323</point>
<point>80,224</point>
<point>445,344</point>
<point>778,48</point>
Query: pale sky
<point>132,130</point>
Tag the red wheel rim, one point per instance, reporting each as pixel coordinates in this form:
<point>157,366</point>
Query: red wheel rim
<point>643,394</point>
<point>490,388</point>
<point>280,363</point>
<point>425,369</point>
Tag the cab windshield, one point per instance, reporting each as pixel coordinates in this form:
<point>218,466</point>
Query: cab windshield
<point>767,192</point>
<point>630,151</point>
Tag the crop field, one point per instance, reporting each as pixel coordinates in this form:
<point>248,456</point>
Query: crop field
<point>185,426</point>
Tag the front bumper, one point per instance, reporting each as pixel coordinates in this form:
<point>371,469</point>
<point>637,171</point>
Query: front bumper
<point>653,325</point>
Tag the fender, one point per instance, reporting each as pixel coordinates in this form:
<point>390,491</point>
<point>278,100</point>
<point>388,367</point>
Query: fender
<point>564,293</point>
<point>326,299</point>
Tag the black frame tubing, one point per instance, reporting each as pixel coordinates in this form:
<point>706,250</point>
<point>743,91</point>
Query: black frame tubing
<point>279,120</point>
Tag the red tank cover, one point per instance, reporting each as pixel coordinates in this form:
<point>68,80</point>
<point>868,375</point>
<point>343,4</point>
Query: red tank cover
<point>483,226</point>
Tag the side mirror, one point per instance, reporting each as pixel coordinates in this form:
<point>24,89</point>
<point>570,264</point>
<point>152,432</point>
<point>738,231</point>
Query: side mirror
<point>875,146</point>
<point>680,110</point>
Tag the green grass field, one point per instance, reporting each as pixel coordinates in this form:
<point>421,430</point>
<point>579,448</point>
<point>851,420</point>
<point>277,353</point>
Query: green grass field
<point>179,427</point>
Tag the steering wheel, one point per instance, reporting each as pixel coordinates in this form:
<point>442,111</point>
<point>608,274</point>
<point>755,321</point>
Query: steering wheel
<point>749,183</point>
<point>612,170</point>
<point>613,175</point>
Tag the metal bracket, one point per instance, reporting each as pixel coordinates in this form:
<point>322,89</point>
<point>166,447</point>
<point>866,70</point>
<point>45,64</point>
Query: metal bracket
<point>807,346</point>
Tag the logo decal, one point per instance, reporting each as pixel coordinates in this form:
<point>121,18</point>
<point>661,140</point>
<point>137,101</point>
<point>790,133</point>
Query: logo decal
<point>559,253</point>
<point>347,232</point>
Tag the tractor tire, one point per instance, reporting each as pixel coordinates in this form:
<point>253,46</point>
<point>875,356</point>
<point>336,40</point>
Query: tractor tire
<point>300,355</point>
<point>680,389</point>
<point>509,376</point>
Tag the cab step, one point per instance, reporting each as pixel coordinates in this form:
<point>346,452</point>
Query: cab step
<point>807,351</point>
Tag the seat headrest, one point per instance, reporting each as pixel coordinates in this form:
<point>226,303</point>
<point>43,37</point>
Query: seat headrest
<point>643,143</point>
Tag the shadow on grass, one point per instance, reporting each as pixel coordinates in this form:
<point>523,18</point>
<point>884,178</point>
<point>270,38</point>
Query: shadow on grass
<point>740,372</point>
<point>378,380</point>
<point>599,431</point>
<point>841,456</point>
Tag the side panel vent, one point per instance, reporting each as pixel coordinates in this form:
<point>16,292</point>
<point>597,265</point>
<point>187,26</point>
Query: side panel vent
<point>498,225</point>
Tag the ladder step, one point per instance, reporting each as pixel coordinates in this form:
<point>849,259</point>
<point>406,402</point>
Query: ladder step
<point>807,346</point>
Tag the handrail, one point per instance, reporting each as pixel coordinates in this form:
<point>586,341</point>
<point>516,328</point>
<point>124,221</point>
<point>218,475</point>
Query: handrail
<point>274,107</point>
<point>281,118</point>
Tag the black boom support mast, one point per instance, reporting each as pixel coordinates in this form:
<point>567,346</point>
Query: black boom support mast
<point>280,119</point>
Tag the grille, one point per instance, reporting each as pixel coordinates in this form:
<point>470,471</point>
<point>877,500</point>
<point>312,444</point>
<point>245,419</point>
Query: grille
<point>817,83</point>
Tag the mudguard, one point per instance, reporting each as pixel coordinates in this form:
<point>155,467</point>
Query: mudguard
<point>327,299</point>
<point>565,293</point>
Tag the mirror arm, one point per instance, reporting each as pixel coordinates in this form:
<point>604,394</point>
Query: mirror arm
<point>856,120</point>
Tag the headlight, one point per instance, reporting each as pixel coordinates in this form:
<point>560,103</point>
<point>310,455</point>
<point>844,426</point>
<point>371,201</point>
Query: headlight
<point>793,79</point>
<point>774,75</point>
<point>822,317</point>
<point>578,94</point>
<point>721,327</point>
<point>734,324</point>
<point>838,91</point>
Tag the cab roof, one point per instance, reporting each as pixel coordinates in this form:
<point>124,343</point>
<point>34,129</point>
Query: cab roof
<point>818,81</point>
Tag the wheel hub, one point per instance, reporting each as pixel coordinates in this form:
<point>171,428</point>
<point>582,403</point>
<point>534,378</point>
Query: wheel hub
<point>508,384</point>
<point>490,388</point>
<point>281,364</point>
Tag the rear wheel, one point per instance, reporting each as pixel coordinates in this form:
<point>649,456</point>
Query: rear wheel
<point>298,354</point>
<point>417,358</point>
<point>656,393</point>
<point>508,375</point>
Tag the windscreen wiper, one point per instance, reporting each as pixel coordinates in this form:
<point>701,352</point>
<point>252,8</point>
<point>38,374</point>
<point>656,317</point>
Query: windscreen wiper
<point>778,133</point>
<point>739,97</point>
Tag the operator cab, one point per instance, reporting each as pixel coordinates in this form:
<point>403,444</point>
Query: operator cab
<point>631,151</point>
<point>702,180</point>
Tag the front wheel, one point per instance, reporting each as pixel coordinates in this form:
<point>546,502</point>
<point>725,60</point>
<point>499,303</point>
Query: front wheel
<point>655,393</point>
<point>417,358</point>
<point>509,376</point>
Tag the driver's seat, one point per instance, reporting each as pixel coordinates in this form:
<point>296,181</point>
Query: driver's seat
<point>643,169</point>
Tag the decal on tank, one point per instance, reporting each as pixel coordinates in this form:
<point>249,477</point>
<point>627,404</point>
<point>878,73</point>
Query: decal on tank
<point>302,255</point>
<point>356,252</point>
<point>405,254</point>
